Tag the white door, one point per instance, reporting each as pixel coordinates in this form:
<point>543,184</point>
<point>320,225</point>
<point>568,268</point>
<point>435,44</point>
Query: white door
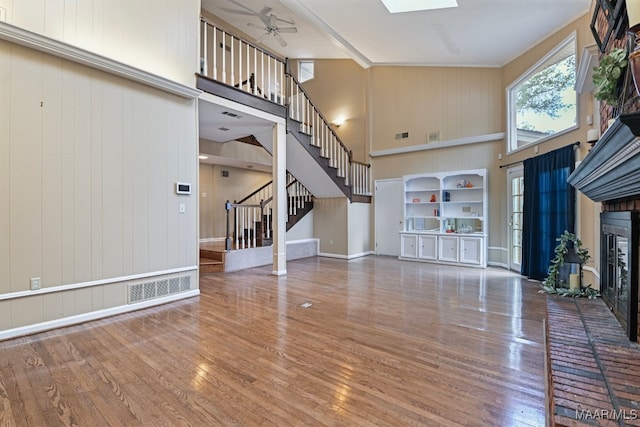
<point>388,204</point>
<point>516,202</point>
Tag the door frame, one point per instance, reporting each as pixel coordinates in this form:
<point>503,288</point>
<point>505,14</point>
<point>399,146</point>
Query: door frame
<point>512,172</point>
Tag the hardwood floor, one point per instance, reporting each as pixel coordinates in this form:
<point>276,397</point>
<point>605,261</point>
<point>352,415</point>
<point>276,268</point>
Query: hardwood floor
<point>384,342</point>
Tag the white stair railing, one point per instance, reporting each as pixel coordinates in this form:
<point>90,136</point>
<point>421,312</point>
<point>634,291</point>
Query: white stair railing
<point>244,217</point>
<point>230,60</point>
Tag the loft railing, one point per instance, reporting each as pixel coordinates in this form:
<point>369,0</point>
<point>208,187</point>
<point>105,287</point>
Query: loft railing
<point>238,63</point>
<point>235,62</point>
<point>251,217</point>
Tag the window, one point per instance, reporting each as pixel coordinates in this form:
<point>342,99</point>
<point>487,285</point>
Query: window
<point>305,71</point>
<point>543,101</point>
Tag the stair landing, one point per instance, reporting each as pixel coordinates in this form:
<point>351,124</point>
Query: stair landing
<point>212,256</point>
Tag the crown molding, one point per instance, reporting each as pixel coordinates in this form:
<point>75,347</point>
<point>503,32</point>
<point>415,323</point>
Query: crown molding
<point>59,49</point>
<point>588,60</point>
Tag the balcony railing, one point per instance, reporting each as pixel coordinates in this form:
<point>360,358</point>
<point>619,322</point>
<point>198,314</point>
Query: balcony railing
<point>232,61</point>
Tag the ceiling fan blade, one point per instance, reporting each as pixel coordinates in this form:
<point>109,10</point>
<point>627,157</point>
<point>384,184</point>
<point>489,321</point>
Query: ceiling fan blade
<point>241,6</point>
<point>273,21</point>
<point>287,30</point>
<point>265,10</point>
<point>237,12</point>
<point>262,37</point>
<point>285,21</point>
<point>281,40</point>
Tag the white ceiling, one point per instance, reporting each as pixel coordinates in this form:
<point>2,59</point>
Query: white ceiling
<point>477,33</point>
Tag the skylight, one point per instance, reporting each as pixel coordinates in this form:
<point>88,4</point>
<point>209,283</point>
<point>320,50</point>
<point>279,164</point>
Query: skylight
<point>399,6</point>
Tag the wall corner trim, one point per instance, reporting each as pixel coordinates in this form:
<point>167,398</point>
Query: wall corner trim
<point>441,144</point>
<point>66,51</point>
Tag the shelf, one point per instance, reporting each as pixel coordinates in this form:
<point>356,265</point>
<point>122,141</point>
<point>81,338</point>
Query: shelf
<point>461,202</point>
<point>465,209</point>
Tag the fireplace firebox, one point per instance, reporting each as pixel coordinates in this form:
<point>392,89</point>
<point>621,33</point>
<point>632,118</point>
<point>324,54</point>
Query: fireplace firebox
<point>619,267</point>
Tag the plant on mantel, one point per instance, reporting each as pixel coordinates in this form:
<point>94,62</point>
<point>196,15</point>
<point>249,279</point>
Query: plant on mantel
<point>607,75</point>
<point>549,284</point>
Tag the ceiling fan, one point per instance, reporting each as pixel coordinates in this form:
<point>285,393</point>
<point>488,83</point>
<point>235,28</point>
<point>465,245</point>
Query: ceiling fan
<point>270,21</point>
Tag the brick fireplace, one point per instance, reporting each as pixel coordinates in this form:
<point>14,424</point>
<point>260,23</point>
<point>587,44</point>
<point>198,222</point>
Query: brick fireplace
<point>610,174</point>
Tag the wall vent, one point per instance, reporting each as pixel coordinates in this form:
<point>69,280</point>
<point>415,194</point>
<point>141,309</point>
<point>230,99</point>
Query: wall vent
<point>402,135</point>
<point>230,114</point>
<point>155,289</point>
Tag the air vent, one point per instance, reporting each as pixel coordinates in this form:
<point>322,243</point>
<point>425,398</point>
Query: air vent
<point>139,292</point>
<point>230,114</point>
<point>402,135</point>
<point>223,129</point>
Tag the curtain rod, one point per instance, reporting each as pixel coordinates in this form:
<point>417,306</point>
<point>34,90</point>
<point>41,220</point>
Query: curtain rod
<point>576,144</point>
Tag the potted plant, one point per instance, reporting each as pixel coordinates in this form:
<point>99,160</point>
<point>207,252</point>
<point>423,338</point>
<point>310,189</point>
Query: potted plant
<point>607,76</point>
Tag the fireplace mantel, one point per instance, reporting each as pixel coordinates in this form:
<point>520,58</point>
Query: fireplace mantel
<point>611,170</point>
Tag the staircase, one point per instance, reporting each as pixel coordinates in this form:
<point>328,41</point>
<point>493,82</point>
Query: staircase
<point>236,70</point>
<point>250,222</point>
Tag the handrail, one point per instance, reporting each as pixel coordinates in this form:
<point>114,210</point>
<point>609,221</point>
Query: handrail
<point>254,193</point>
<point>327,122</point>
<point>232,61</point>
<point>247,216</point>
<point>258,48</point>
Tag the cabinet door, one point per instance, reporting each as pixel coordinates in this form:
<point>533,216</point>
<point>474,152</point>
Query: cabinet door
<point>471,250</point>
<point>448,248</point>
<point>428,247</point>
<point>409,245</point>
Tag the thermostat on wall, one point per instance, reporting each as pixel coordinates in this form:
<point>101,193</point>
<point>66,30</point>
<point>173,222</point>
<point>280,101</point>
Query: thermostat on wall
<point>183,188</point>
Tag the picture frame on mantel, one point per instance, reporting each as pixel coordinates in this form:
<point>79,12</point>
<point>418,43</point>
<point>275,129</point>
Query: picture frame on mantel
<point>613,14</point>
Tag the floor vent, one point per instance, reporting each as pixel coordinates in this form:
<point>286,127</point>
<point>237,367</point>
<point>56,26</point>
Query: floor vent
<point>158,288</point>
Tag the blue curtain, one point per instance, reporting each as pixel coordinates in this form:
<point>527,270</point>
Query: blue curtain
<point>549,208</point>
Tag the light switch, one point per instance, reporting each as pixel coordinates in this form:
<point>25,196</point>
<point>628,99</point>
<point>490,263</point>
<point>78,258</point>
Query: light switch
<point>183,208</point>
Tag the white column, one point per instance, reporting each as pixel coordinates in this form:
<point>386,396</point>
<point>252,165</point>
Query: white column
<point>279,199</point>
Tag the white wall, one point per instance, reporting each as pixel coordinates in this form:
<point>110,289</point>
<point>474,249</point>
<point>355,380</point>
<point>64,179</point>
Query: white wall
<point>158,36</point>
<point>302,230</point>
<point>88,160</point>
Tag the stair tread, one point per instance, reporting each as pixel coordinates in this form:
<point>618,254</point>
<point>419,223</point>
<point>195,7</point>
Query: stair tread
<point>207,261</point>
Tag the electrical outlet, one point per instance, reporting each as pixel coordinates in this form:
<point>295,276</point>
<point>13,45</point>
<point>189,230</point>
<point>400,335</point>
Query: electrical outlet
<point>35,283</point>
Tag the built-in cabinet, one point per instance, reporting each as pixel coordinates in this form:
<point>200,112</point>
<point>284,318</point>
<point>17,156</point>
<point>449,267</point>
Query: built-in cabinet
<point>445,217</point>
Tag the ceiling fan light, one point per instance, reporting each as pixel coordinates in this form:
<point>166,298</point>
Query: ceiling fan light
<point>400,6</point>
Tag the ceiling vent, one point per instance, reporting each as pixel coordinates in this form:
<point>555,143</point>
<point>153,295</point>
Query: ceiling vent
<point>230,114</point>
<point>223,129</point>
<point>402,135</point>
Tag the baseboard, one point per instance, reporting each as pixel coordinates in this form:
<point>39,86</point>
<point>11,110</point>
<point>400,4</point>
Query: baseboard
<point>347,257</point>
<point>497,264</point>
<point>74,286</point>
<point>94,315</point>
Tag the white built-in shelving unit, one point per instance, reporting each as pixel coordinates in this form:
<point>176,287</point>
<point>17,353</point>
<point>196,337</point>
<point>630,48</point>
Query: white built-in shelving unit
<point>445,217</point>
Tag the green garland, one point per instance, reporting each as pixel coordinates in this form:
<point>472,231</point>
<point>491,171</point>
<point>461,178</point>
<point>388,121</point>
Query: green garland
<point>549,284</point>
